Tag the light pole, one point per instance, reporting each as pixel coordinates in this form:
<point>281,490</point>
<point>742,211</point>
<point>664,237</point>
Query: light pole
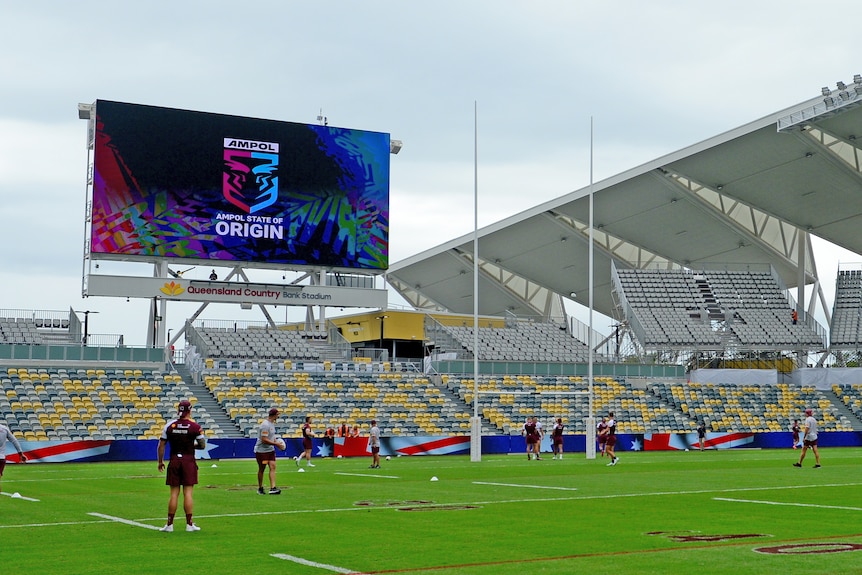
<point>381,318</point>
<point>86,326</point>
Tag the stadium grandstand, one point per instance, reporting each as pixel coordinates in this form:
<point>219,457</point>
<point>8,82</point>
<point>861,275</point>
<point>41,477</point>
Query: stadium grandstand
<point>709,284</point>
<point>237,383</point>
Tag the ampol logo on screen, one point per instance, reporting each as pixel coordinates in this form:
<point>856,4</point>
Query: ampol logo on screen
<point>250,174</point>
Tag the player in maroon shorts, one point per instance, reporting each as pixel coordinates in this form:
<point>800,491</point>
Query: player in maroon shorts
<point>602,433</point>
<point>809,439</point>
<point>611,440</point>
<point>264,451</point>
<point>557,438</point>
<point>184,436</point>
<point>307,443</point>
<point>531,436</point>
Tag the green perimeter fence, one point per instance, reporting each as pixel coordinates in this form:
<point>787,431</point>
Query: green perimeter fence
<point>80,353</point>
<point>616,370</point>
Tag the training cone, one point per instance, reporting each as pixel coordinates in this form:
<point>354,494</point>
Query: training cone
<point>300,470</point>
<point>434,478</point>
<point>15,495</point>
<point>214,465</point>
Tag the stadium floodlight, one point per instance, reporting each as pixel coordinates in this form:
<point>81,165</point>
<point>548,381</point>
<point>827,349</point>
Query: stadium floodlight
<point>84,111</point>
<point>833,102</point>
<point>395,146</point>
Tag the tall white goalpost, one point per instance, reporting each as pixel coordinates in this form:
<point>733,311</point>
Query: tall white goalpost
<point>591,415</point>
<point>475,422</point>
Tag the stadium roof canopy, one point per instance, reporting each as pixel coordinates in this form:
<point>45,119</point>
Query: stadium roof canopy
<point>748,196</point>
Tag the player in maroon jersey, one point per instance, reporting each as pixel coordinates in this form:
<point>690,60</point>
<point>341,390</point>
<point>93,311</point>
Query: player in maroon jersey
<point>557,438</point>
<point>611,440</point>
<point>602,434</point>
<point>184,436</point>
<point>307,443</point>
<point>531,435</point>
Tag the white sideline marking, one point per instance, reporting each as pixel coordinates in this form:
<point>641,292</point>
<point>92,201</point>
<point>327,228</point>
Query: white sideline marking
<point>530,486</point>
<point>302,561</point>
<point>367,475</point>
<point>52,524</point>
<point>507,501</point>
<point>126,521</point>
<point>731,490</point>
<point>18,497</point>
<point>788,504</point>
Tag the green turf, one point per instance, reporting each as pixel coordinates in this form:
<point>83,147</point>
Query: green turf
<point>652,513</point>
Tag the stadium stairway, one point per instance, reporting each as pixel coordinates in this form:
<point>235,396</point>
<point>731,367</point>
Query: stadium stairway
<point>228,427</point>
<point>843,410</point>
<point>326,351</point>
<point>453,396</point>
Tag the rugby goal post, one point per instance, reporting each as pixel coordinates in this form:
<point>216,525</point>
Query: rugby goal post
<point>476,421</point>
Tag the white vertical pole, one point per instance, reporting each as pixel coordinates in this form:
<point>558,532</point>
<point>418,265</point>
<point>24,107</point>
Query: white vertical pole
<point>321,323</point>
<point>591,419</point>
<point>801,245</point>
<point>475,423</point>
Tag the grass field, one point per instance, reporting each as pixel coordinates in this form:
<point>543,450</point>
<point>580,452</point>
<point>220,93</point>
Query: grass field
<point>657,512</point>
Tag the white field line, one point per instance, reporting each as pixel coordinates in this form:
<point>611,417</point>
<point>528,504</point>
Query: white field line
<point>524,500</point>
<point>492,459</point>
<point>527,486</point>
<point>58,523</point>
<point>732,490</point>
<point>19,496</point>
<point>788,504</point>
<point>50,479</point>
<point>125,521</point>
<point>367,475</point>
<point>537,500</point>
<point>302,561</point>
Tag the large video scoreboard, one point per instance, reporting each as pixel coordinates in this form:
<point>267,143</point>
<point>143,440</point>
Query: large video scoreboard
<point>180,184</point>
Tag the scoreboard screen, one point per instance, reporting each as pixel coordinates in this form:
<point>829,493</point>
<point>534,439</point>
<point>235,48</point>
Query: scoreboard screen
<point>181,184</point>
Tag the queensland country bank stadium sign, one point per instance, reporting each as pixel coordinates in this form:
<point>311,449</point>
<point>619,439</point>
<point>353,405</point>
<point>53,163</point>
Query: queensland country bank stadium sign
<point>178,289</point>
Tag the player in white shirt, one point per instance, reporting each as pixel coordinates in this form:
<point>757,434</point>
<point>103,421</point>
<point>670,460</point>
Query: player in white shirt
<point>809,439</point>
<point>6,435</point>
<point>374,445</point>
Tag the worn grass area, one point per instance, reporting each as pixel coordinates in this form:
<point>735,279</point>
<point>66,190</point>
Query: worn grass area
<point>667,512</point>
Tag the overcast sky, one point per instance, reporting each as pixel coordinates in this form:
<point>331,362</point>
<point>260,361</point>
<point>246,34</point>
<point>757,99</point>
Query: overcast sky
<point>654,76</point>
